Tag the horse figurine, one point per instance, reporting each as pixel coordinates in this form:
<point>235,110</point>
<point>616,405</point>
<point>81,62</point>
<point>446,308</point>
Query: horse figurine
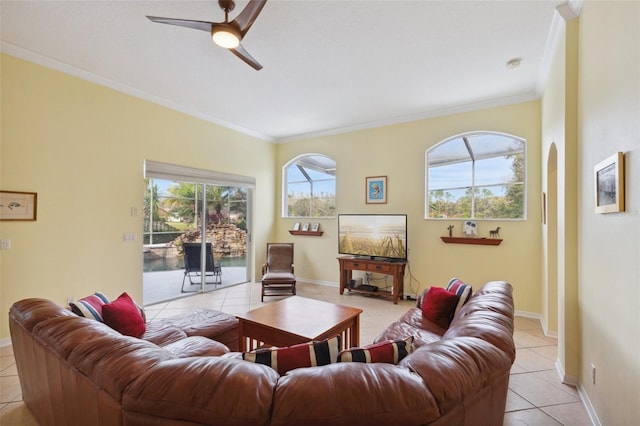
<point>494,233</point>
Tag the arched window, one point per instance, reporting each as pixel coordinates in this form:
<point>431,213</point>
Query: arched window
<point>309,186</point>
<point>478,175</point>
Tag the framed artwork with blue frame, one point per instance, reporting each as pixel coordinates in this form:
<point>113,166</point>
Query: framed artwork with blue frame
<point>376,190</point>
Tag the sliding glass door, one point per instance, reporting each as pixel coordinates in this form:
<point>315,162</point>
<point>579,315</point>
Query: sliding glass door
<point>182,213</point>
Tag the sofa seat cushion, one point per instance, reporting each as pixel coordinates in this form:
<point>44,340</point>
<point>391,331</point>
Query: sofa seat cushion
<point>412,323</point>
<point>162,333</point>
<point>209,323</point>
<point>196,346</point>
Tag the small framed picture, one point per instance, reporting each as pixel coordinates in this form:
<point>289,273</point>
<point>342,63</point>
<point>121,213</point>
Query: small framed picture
<point>470,228</point>
<point>376,190</point>
<point>18,205</point>
<point>296,226</point>
<point>315,227</point>
<point>609,184</point>
<point>305,227</point>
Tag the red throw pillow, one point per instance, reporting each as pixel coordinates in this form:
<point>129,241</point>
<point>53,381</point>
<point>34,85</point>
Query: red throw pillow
<point>123,315</point>
<point>439,306</point>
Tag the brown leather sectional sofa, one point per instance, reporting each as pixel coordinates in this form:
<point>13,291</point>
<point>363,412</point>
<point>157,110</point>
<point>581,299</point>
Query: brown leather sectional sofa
<point>76,371</point>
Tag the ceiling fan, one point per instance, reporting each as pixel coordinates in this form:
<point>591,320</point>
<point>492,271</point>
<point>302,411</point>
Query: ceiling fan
<point>225,34</point>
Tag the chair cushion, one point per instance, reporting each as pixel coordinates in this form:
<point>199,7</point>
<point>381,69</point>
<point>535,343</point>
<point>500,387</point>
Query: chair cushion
<point>278,277</point>
<point>390,352</point>
<point>123,315</point>
<point>302,355</point>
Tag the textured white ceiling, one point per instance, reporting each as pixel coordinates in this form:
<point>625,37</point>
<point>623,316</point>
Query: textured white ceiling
<point>329,66</point>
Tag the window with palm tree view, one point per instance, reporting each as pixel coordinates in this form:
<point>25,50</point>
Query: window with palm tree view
<point>173,216</point>
<point>309,186</point>
<point>476,176</point>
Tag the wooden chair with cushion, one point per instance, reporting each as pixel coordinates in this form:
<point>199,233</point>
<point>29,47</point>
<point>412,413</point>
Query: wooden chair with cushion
<point>278,277</point>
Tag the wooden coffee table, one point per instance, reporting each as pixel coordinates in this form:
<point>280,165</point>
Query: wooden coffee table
<point>297,320</point>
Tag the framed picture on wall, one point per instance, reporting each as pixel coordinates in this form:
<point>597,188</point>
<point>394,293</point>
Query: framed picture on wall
<point>305,227</point>
<point>608,178</point>
<point>376,190</point>
<point>18,205</point>
<point>315,227</point>
<point>296,226</point>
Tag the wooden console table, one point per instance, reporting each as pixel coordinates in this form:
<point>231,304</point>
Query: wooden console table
<point>393,268</point>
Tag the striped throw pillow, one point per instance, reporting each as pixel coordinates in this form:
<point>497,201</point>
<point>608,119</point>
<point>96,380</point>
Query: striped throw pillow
<point>90,306</point>
<point>460,289</point>
<point>390,352</point>
<point>297,356</point>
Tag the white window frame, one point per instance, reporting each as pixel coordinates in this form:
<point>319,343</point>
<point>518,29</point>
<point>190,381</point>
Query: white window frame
<point>285,185</point>
<point>468,135</point>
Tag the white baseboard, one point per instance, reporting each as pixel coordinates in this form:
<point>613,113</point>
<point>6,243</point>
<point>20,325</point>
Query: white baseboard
<point>534,315</point>
<point>591,412</point>
<point>5,342</point>
<point>310,281</point>
<point>573,381</point>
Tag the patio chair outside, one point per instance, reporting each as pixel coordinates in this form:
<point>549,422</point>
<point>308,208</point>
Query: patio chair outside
<point>192,264</point>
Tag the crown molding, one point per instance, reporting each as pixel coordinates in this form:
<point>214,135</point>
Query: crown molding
<point>564,12</point>
<point>440,112</point>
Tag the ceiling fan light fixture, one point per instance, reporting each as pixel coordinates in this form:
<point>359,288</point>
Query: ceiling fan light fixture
<point>226,37</point>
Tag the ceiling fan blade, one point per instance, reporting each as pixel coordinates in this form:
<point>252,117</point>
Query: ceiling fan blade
<point>244,55</point>
<point>196,25</point>
<point>249,14</point>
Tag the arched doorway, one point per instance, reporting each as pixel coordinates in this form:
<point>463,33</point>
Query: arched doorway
<point>550,229</point>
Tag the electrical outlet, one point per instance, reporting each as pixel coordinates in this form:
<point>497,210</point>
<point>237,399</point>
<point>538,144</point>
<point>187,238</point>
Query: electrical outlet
<point>593,373</point>
<point>5,244</point>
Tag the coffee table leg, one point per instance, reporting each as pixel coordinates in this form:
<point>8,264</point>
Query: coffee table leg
<point>242,340</point>
<point>355,332</point>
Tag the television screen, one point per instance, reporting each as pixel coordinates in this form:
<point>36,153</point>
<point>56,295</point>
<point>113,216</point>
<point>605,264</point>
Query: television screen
<point>373,235</point>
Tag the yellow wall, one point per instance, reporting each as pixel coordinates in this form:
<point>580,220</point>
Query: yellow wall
<point>559,143</point>
<point>609,244</point>
<point>81,147</point>
<point>398,152</point>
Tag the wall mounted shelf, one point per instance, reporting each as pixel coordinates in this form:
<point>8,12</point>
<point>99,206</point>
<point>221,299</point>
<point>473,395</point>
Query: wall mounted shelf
<point>309,233</point>
<point>478,241</point>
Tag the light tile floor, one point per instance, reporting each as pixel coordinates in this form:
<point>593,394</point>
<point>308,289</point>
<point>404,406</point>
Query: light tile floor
<point>536,395</point>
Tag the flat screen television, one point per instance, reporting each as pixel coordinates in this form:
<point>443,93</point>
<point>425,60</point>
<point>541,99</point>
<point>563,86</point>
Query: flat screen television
<point>373,235</point>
